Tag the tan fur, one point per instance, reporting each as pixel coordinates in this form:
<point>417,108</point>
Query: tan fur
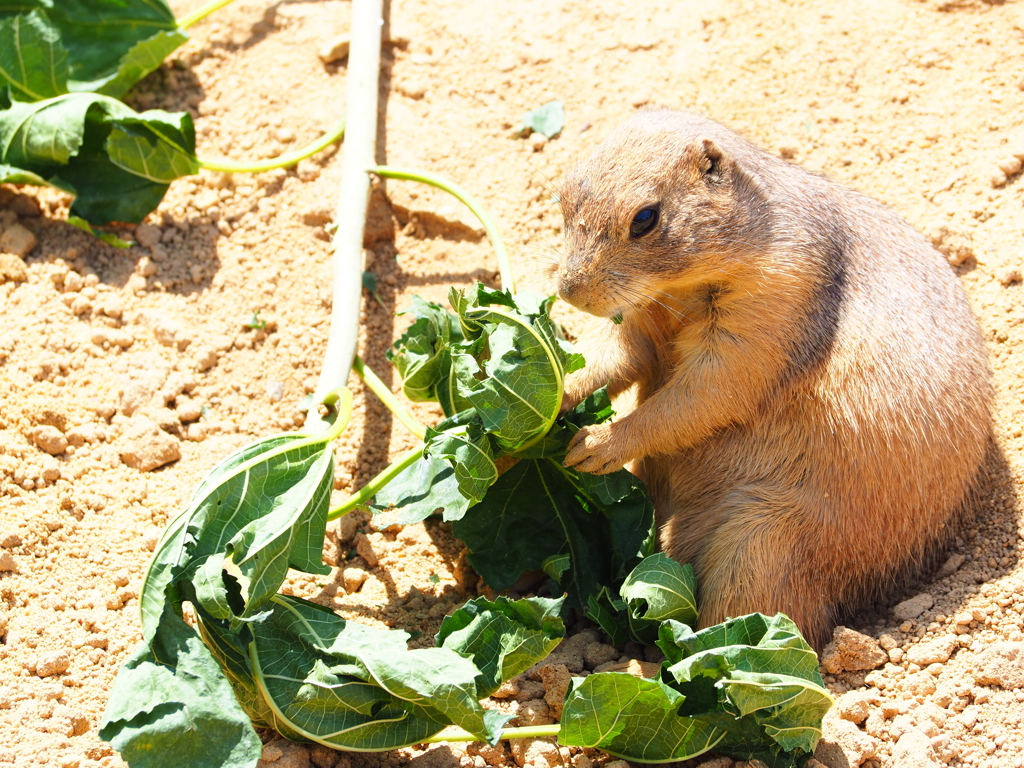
<point>813,391</point>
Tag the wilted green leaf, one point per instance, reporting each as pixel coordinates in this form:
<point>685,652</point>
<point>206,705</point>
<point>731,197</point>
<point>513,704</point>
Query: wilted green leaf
<point>763,668</point>
<point>497,368</point>
<point>262,509</point>
<point>422,353</point>
<point>89,145</point>
<point>420,490</point>
<point>468,451</point>
<point>548,119</point>
<point>503,637</point>
<point>659,588</point>
<point>634,718</point>
<point>359,688</point>
<point>169,698</point>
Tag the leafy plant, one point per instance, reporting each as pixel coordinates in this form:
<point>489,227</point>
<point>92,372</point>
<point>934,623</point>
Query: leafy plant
<point>257,657</point>
<point>496,365</point>
<point>63,67</point>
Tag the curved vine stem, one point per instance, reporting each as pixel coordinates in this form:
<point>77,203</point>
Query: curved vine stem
<point>361,497</point>
<point>281,161</point>
<point>388,172</point>
<point>386,396</point>
<point>202,12</point>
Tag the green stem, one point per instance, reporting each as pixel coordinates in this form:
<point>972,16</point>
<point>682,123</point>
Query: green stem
<point>507,281</point>
<point>202,12</point>
<point>526,732</point>
<point>386,396</point>
<point>368,491</point>
<point>282,161</point>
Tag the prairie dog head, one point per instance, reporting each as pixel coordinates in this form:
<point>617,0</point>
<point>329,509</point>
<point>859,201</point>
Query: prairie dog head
<point>664,203</point>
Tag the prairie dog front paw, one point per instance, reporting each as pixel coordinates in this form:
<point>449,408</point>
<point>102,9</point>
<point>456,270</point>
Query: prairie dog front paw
<point>595,450</point>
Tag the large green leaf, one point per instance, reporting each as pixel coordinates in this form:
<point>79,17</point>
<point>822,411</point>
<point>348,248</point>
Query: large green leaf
<point>259,511</point>
<point>503,637</point>
<point>32,60</point>
<point>169,698</point>
<point>101,46</point>
<point>762,667</point>
<point>113,45</point>
<point>634,718</point>
<point>538,510</point>
<point>117,162</point>
<point>658,589</point>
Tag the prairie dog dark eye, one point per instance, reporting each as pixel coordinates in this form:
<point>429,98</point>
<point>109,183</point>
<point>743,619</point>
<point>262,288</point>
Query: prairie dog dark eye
<point>644,221</point>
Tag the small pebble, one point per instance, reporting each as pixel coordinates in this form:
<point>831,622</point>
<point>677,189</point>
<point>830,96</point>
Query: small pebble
<point>1008,275</point>
<point>537,141</point>
<point>335,50</point>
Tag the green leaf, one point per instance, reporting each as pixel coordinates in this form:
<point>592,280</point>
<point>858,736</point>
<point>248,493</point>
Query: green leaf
<point>158,146</point>
<point>92,146</point>
<point>503,637</point>
<point>262,509</point>
<point>763,668</point>
<point>497,368</point>
<point>538,510</point>
<point>358,688</point>
<point>659,588</point>
<point>468,451</point>
<point>168,698</point>
<point>422,354</point>
<point>107,237</point>
<point>11,175</point>
<point>633,718</point>
<point>422,489</point>
<point>548,119</point>
<point>32,59</point>
<point>113,45</point>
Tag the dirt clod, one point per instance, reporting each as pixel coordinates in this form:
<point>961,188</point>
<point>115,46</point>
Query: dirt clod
<point>146,446</point>
<point>1001,664</point>
<point>851,651</point>
<point>17,240</point>
<point>12,269</point>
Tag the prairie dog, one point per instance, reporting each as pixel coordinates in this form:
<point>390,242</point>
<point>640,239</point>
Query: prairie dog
<point>813,393</point>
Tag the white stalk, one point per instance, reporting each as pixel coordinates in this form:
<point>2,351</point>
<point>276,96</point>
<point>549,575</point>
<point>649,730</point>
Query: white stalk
<point>358,156</point>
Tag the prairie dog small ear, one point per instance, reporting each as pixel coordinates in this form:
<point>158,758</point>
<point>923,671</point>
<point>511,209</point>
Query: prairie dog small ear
<point>712,160</point>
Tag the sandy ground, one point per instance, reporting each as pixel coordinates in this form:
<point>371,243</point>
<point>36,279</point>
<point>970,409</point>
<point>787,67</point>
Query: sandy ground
<point>109,357</point>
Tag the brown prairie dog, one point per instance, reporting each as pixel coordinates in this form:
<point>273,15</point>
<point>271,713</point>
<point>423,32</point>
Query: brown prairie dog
<point>812,390</point>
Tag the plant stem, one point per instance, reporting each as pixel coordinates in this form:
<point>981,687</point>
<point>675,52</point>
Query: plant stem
<point>281,161</point>
<point>368,491</point>
<point>357,157</point>
<point>526,732</point>
<point>202,12</point>
<point>507,281</point>
<point>386,396</point>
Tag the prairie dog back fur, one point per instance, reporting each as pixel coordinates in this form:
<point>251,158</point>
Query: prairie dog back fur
<point>813,391</point>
